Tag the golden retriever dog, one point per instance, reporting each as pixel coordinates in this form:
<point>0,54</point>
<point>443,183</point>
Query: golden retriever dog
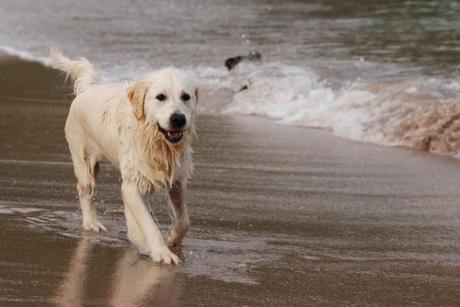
<point>144,129</point>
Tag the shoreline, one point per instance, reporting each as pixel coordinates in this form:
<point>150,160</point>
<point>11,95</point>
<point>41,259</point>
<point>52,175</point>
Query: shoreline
<point>281,215</point>
<point>433,130</point>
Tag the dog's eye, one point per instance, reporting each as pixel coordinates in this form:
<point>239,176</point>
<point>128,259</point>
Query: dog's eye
<point>161,97</point>
<point>185,97</point>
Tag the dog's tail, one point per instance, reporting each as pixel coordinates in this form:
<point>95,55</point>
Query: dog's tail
<point>81,71</point>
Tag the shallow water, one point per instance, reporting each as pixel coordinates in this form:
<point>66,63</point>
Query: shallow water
<point>384,72</point>
<point>281,216</point>
<point>403,37</point>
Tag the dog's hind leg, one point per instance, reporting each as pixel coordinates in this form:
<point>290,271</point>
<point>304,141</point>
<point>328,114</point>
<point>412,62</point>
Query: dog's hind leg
<point>85,169</point>
<point>179,214</point>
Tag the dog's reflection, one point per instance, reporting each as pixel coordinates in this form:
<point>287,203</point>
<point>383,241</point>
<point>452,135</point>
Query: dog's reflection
<point>136,281</point>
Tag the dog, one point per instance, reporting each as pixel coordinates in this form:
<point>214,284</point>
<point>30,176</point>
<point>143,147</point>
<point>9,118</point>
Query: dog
<point>144,129</point>
<point>253,56</point>
<point>232,63</point>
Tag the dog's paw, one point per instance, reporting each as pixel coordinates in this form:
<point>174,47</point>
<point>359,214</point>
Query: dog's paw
<point>94,225</point>
<point>164,255</point>
<point>177,234</point>
<point>174,240</point>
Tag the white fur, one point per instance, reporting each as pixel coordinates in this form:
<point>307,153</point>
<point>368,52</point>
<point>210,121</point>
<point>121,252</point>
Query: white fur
<point>104,122</point>
<point>81,71</point>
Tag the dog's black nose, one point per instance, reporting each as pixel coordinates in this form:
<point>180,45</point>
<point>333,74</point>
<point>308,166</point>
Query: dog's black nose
<point>177,121</point>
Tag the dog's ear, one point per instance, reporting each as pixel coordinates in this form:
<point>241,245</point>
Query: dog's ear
<point>136,95</point>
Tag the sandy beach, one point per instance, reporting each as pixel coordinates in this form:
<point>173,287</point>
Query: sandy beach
<point>281,216</point>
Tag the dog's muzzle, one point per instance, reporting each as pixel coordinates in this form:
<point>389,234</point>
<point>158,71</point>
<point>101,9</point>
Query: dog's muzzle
<point>173,136</point>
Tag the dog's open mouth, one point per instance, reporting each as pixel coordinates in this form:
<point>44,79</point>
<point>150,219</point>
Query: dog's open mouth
<point>174,136</point>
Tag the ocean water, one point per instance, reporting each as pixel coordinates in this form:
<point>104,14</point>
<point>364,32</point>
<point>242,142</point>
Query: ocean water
<point>385,72</point>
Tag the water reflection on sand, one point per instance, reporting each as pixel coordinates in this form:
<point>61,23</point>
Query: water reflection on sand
<point>135,280</point>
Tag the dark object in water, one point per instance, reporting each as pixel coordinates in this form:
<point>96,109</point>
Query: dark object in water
<point>253,56</point>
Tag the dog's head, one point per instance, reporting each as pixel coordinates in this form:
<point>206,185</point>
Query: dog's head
<point>166,98</point>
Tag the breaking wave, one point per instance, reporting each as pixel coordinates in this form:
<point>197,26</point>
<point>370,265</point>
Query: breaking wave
<point>422,114</point>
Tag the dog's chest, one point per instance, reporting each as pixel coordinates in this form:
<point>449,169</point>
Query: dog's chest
<point>154,174</point>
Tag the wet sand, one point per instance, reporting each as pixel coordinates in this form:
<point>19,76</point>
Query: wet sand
<point>281,216</point>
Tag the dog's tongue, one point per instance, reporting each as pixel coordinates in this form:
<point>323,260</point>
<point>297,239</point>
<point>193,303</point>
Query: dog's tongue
<point>175,134</point>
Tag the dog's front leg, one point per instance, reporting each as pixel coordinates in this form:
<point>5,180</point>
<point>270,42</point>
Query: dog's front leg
<point>180,217</point>
<point>133,201</point>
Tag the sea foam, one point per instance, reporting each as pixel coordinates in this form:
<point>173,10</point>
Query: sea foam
<point>422,114</point>
<point>27,56</point>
